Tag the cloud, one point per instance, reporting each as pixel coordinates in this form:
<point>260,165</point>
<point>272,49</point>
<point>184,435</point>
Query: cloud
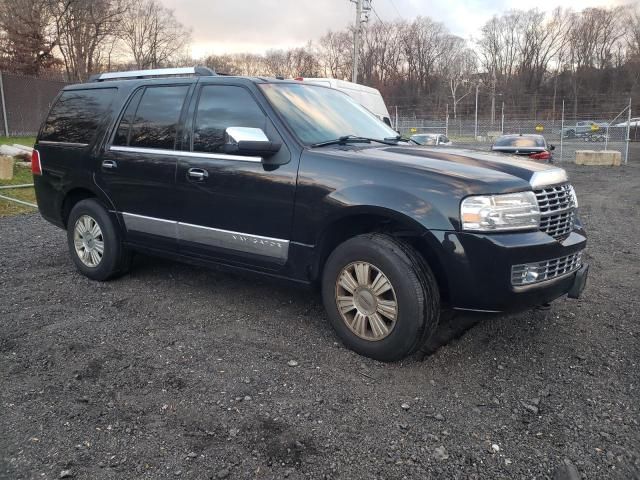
<point>221,26</point>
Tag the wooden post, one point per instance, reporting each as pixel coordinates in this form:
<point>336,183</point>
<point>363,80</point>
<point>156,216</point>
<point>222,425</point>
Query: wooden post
<point>6,168</point>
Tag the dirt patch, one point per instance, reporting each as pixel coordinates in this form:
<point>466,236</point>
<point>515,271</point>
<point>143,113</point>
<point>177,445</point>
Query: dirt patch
<point>179,372</point>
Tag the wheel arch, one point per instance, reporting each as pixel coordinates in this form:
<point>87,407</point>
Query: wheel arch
<point>373,219</point>
<point>74,195</point>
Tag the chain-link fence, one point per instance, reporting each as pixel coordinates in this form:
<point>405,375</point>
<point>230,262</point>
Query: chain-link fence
<point>24,102</point>
<point>616,130</point>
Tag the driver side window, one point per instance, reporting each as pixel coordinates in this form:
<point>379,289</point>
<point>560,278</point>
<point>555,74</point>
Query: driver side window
<point>220,107</point>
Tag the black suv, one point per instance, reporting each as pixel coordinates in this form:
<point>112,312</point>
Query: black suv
<point>298,181</point>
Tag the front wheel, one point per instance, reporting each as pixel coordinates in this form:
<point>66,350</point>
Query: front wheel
<point>381,297</point>
<point>95,243</point>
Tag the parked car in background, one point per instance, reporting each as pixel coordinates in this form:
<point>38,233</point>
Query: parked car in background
<point>634,123</point>
<point>298,181</point>
<point>370,98</point>
<point>583,128</point>
<point>534,147</point>
<point>430,139</point>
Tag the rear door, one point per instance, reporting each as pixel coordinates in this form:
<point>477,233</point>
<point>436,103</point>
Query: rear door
<point>234,208</point>
<point>67,144</point>
<point>139,164</point>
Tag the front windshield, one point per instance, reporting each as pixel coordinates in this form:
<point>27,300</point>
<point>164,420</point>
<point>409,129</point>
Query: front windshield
<point>318,114</point>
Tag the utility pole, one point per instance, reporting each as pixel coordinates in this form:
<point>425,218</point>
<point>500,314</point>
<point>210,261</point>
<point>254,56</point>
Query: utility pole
<point>362,7</point>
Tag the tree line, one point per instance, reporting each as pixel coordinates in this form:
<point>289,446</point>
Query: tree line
<point>524,58</point>
<point>81,37</point>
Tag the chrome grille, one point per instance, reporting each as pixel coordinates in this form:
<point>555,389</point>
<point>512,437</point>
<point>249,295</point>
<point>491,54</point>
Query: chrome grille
<point>529,273</point>
<point>556,210</point>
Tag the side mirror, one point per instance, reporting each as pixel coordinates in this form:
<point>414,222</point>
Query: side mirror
<point>552,147</point>
<point>249,141</point>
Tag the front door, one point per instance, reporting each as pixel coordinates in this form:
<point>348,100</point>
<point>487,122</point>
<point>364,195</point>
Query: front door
<point>139,164</point>
<point>233,208</point>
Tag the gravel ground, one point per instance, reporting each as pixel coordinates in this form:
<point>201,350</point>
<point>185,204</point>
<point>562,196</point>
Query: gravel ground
<point>179,372</point>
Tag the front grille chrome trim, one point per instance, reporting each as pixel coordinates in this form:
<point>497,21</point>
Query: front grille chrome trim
<point>557,210</point>
<point>536,272</point>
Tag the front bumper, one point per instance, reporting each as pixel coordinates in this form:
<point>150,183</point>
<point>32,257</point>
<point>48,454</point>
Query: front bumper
<point>479,276</point>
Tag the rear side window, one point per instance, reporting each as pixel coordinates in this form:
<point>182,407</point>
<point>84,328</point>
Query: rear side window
<point>220,107</point>
<point>76,115</point>
<point>524,142</point>
<point>152,122</point>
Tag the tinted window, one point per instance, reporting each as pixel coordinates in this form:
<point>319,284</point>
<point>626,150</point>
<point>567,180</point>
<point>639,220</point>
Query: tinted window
<point>524,142</point>
<point>220,107</point>
<point>124,128</point>
<point>155,123</point>
<point>76,115</point>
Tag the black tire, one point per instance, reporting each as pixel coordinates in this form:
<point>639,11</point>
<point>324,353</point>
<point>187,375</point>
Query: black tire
<point>115,257</point>
<point>414,286</point>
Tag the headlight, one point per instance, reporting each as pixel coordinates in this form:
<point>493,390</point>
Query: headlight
<point>494,213</point>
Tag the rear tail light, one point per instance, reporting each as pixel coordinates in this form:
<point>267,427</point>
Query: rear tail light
<point>36,166</point>
<point>299,79</point>
<point>541,156</point>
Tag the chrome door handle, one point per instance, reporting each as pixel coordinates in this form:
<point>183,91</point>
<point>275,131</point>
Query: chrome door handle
<point>197,173</point>
<point>110,164</point>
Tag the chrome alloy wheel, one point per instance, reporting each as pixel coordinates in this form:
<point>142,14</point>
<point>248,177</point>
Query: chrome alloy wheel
<point>88,241</point>
<point>366,301</point>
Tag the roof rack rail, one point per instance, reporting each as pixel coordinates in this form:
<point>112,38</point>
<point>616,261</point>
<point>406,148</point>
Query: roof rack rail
<point>156,72</point>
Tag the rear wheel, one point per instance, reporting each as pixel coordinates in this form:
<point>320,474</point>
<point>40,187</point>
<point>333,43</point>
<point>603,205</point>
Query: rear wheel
<point>381,297</point>
<point>95,242</point>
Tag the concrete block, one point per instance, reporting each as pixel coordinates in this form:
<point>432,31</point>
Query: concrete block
<point>610,158</point>
<point>10,150</point>
<point>6,168</point>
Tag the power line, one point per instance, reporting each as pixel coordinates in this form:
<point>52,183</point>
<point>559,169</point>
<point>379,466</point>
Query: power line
<point>395,8</point>
<point>376,14</point>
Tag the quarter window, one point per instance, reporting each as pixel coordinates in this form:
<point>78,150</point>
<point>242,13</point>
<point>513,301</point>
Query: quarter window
<point>76,115</point>
<point>220,107</point>
<point>155,121</point>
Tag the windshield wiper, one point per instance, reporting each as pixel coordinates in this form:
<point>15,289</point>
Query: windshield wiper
<point>354,139</point>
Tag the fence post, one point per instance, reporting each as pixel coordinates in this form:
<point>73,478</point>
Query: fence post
<point>475,139</point>
<point>562,133</point>
<point>626,148</point>
<point>446,123</point>
<point>4,108</point>
<point>502,120</point>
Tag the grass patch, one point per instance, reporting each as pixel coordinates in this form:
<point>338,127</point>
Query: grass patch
<point>21,175</point>
<point>27,141</point>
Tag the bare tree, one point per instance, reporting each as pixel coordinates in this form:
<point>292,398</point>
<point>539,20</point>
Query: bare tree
<point>28,37</point>
<point>87,30</point>
<point>459,69</point>
<point>334,54</point>
<point>152,35</point>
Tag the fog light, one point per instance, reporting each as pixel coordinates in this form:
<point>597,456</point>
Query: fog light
<point>531,274</point>
<point>526,273</point>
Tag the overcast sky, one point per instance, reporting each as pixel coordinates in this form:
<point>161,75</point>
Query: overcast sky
<point>224,26</point>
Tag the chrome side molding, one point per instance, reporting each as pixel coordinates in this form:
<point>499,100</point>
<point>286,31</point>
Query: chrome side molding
<point>275,248</point>
<point>180,153</point>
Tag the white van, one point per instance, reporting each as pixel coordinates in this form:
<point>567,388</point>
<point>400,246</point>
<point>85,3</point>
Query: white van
<point>368,97</point>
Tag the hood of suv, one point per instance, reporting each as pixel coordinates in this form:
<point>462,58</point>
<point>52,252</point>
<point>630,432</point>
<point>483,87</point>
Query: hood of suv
<point>482,169</point>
